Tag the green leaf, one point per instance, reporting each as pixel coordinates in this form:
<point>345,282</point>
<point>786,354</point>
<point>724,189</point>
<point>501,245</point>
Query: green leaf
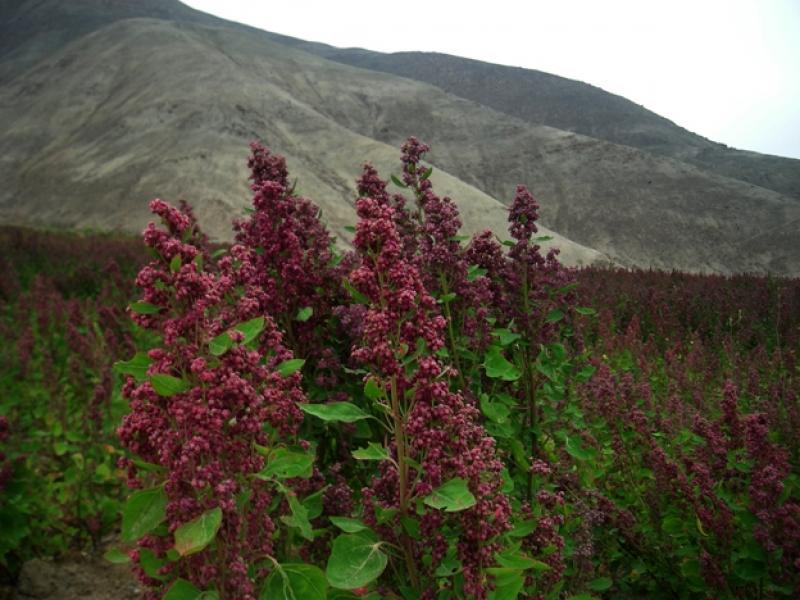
<point>513,560</point>
<point>601,584</point>
<point>494,411</point>
<point>523,529</point>
<point>291,366</point>
<point>475,271</point>
<point>749,569</point>
<point>137,366</point>
<point>304,314</point>
<point>508,583</point>
<point>250,329</point>
<point>150,563</point>
<point>342,412</point>
<point>398,182</point>
<point>218,253</point>
<point>357,296</point>
<point>554,316</point>
<point>143,512</point>
<point>295,582</point>
<point>426,174</point>
<point>145,308</point>
<point>450,564</point>
<point>220,344</point>
<point>167,385</point>
<point>582,597</point>
<point>447,298</point>
<point>175,264</point>
<point>583,310</point>
<point>452,496</point>
<point>672,525</point>
<point>285,464</point>
<point>498,367</point>
<point>505,336</point>
<point>298,518</point>
<point>373,451</point>
<point>348,525</point>
<point>355,560</point>
<point>574,448</point>
<point>182,590</point>
<point>116,556</point>
<point>313,503</point>
<point>372,390</point>
<point>198,533</point>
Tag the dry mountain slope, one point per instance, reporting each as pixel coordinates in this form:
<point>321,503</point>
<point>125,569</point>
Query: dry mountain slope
<point>144,107</point>
<point>117,118</point>
<point>542,98</point>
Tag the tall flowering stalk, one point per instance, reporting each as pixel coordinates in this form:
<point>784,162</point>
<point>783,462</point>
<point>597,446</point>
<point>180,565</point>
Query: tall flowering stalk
<point>435,437</point>
<point>293,276</point>
<point>208,406</point>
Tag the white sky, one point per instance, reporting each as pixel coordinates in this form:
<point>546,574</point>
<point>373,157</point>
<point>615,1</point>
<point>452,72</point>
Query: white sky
<point>726,69</point>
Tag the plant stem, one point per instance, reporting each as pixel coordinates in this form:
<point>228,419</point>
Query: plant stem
<point>402,472</point>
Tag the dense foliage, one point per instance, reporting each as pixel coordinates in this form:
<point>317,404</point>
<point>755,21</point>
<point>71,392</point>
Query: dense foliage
<point>425,416</point>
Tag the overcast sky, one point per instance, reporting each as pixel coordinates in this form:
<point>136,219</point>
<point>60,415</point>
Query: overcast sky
<point>726,69</point>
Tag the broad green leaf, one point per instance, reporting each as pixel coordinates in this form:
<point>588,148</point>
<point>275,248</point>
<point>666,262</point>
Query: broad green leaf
<point>313,503</point>
<point>285,463</point>
<point>250,329</point>
<point>182,590</point>
<point>494,411</point>
<point>574,448</point>
<point>295,582</point>
<point>143,512</point>
<point>498,367</point>
<point>195,535</point>
<point>145,308</point>
<point>505,336</point>
<point>220,344</point>
<point>291,366</point>
<point>116,556</point>
<point>583,310</point>
<point>137,366</point>
<point>217,253</point>
<point>167,385</point>
<point>554,316</point>
<point>343,412</point>
<point>749,569</point>
<point>451,496</point>
<point>304,314</point>
<point>523,529</point>
<point>508,583</point>
<point>355,560</point>
<point>373,451</point>
<point>582,597</point>
<point>348,525</point>
<point>372,390</point>
<point>601,584</point>
<point>672,525</point>
<point>175,263</point>
<point>150,563</point>
<point>426,174</point>
<point>298,518</point>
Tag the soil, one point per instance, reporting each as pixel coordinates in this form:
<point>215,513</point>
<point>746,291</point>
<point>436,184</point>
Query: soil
<point>77,577</point>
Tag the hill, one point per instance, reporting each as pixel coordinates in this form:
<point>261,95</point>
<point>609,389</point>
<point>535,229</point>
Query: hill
<point>102,116</point>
